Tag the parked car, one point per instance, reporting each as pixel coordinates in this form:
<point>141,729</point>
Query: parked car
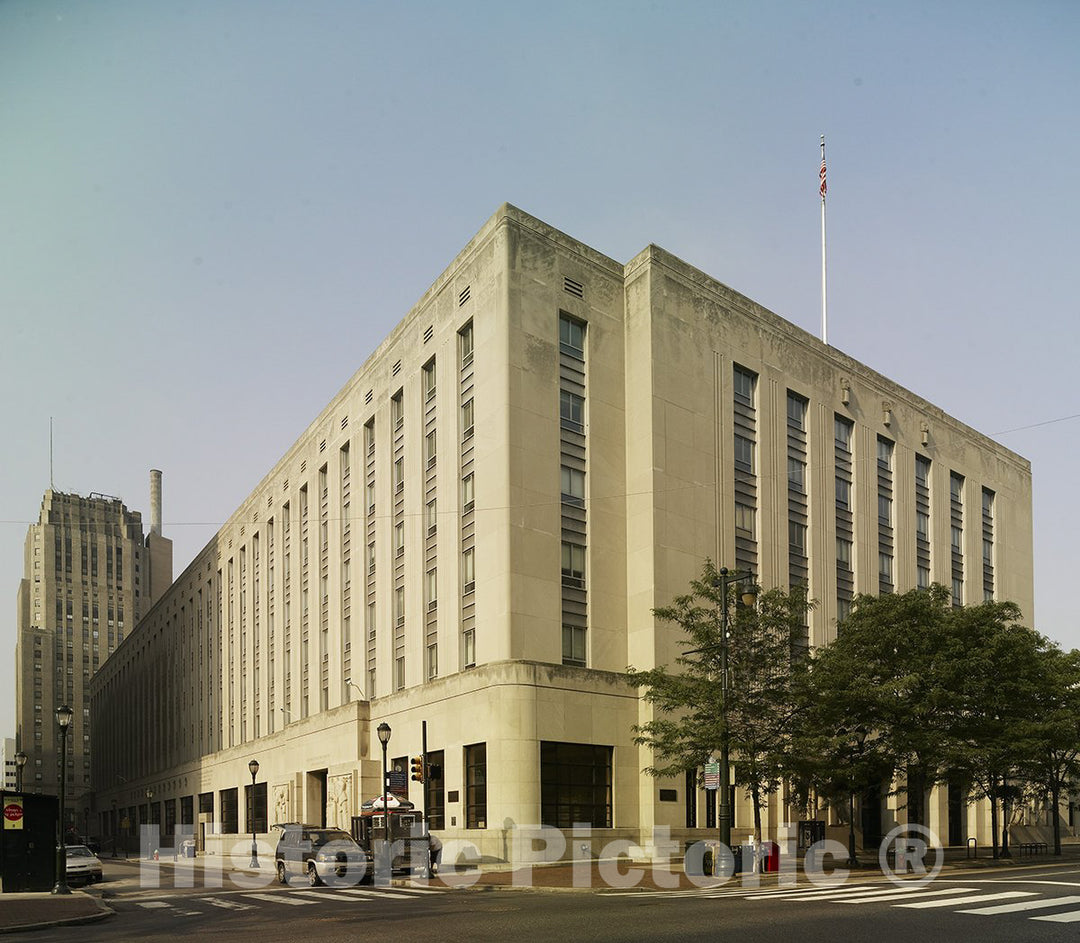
<point>323,855</point>
<point>83,866</point>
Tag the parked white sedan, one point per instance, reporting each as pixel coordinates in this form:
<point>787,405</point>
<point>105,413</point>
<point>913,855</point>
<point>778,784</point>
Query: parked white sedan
<point>83,866</point>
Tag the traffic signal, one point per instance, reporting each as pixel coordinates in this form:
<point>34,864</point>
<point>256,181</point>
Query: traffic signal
<point>417,764</point>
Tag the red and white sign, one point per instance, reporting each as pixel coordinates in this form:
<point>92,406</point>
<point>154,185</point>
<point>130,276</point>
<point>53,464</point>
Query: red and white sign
<point>13,814</point>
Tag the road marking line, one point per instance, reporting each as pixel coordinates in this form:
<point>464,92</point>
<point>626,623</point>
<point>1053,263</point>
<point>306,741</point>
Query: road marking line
<point>977,899</point>
<point>153,903</point>
<point>227,904</point>
<point>280,899</point>
<point>1071,916</point>
<point>814,894</point>
<point>904,892</point>
<point>1024,905</point>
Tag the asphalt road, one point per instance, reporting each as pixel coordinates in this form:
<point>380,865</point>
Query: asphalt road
<point>1034,904</point>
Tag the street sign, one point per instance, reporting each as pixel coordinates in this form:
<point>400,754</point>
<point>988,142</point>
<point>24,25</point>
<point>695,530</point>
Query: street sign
<point>712,775</point>
<point>13,813</point>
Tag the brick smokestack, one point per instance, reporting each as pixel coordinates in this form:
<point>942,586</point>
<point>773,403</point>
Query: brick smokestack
<point>155,502</point>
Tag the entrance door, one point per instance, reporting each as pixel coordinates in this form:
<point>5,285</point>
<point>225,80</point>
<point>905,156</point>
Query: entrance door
<point>315,807</point>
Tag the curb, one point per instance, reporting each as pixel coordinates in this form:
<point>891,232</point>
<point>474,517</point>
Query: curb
<point>104,912</point>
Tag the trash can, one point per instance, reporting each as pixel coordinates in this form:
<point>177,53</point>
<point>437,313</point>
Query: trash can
<point>187,849</point>
<point>770,857</point>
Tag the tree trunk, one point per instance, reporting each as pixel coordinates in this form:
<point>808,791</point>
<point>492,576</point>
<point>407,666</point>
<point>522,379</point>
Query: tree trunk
<point>755,794</point>
<point>1006,814</point>
<point>994,818</point>
<point>1055,798</point>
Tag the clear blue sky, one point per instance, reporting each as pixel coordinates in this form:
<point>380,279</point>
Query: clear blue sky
<point>212,211</point>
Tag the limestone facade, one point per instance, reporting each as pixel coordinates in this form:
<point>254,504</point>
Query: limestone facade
<point>476,529</point>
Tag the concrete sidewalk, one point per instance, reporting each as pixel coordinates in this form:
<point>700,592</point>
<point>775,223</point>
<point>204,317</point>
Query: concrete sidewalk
<point>19,912</point>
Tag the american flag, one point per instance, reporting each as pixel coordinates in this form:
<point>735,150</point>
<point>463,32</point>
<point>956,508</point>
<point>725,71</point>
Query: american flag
<point>822,175</point>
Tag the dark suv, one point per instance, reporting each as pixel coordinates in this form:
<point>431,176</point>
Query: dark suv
<point>322,854</point>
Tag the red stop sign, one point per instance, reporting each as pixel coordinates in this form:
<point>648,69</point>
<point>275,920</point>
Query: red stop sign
<point>13,812</point>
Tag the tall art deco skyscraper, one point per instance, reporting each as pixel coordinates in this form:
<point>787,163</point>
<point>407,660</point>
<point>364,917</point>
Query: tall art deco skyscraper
<point>89,576</point>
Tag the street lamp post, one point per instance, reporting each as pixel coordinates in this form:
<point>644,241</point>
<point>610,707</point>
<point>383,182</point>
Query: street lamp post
<point>253,768</point>
<point>63,720</point>
<point>383,730</point>
<point>20,762</point>
<point>724,579</point>
<point>853,861</point>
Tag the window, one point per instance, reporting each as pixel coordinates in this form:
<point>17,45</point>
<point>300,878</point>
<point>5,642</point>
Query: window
<point>922,470</point>
<point>370,619</point>
<point>797,537</point>
<point>744,453</point>
<point>573,486</point>
<point>431,517</point>
<point>429,380</point>
<point>476,785</point>
<point>465,344</point>
<point>230,813</point>
<point>467,419</point>
<point>399,538</point>
<point>573,645</point>
<point>429,449</point>
<point>399,673</point>
<point>957,591</point>
<point>796,411</point>
<point>884,452</point>
<point>468,648</point>
<point>575,785</point>
<point>922,524</point>
<point>399,474</point>
<point>399,605</point>
<point>255,803</point>
<point>956,486</point>
<point>843,552</point>
<point>923,577</point>
<point>467,496</point>
<point>371,557</point>
<point>433,661</point>
<point>843,493</point>
<point>957,538</point>
<point>573,565</point>
<point>743,382</point>
<point>745,519</point>
<point>884,509</point>
<point>842,432</point>
<point>571,337</point>
<point>432,587</point>
<point>468,570</point>
<point>796,474</point>
<point>572,411</point>
<point>397,410</point>
<point>885,562</point>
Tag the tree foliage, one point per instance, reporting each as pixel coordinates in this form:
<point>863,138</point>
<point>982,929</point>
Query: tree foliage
<point>688,722</point>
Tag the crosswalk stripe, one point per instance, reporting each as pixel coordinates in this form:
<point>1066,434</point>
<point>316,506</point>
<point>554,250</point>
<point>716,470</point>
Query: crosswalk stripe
<point>227,904</point>
<point>280,899</point>
<point>150,904</point>
<point>977,899</point>
<point>377,893</point>
<point>1024,905</point>
<point>808,893</point>
<point>1073,916</point>
<point>887,896</point>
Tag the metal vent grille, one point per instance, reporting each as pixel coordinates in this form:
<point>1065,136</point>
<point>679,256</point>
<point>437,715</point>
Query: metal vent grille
<point>574,288</point>
<point>397,368</point>
<point>429,332</point>
<point>463,295</point>
<point>368,396</point>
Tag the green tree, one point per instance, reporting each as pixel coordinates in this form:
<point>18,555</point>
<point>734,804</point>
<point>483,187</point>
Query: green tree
<point>882,675</point>
<point>688,722</point>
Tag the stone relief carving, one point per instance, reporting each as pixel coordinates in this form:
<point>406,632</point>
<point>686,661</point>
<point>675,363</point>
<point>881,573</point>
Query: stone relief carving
<point>338,807</point>
<point>281,804</point>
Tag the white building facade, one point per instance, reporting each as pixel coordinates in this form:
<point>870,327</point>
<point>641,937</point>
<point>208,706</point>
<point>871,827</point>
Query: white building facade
<point>474,534</point>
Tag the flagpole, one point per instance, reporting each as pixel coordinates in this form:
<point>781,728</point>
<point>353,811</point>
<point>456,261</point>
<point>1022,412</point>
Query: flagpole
<point>824,305</point>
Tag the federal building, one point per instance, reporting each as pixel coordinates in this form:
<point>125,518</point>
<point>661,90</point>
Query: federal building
<point>473,534</point>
